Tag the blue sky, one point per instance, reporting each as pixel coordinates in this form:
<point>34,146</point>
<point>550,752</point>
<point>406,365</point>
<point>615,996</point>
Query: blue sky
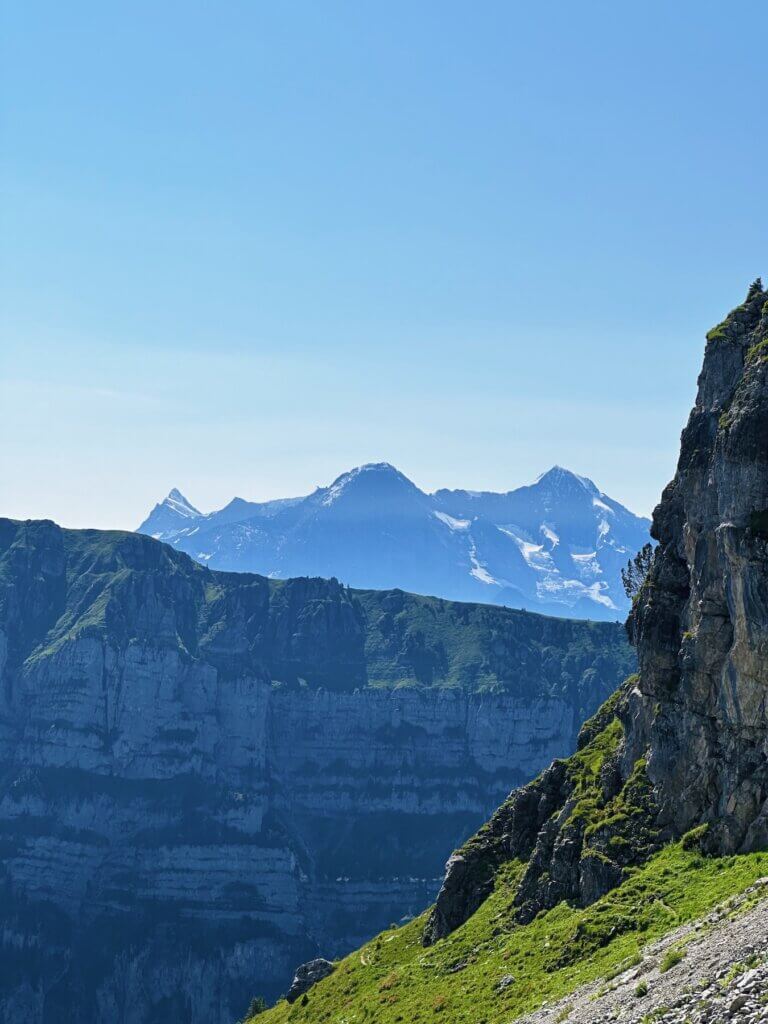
<point>246,246</point>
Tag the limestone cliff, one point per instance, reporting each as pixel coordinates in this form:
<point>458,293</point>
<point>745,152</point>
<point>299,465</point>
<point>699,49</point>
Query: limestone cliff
<point>701,620</point>
<point>684,744</point>
<point>206,778</point>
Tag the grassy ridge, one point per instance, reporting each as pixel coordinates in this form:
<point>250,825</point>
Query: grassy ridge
<point>414,640</point>
<point>57,586</point>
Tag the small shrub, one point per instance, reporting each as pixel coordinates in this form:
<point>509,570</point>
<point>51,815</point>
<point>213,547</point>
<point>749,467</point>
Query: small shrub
<point>717,333</point>
<point>672,957</point>
<point>758,353</point>
<point>692,840</point>
<point>656,1015</point>
<point>256,1006</point>
<point>641,989</point>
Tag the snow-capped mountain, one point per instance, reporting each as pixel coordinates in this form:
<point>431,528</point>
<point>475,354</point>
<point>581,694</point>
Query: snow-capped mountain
<point>170,516</point>
<point>555,546</point>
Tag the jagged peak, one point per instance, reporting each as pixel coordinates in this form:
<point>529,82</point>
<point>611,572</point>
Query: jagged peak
<point>175,500</point>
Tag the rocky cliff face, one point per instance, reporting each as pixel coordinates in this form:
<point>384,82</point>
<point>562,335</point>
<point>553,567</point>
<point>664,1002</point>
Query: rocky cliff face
<point>206,778</point>
<point>701,620</point>
<point>684,744</point>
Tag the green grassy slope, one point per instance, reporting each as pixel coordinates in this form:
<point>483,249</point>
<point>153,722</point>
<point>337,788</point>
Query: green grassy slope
<point>394,979</point>
<point>465,977</point>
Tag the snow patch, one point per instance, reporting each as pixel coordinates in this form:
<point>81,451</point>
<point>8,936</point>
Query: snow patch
<point>570,591</point>
<point>534,554</point>
<point>550,535</point>
<point>479,571</point>
<point>590,556</point>
<point>587,565</point>
<point>451,523</point>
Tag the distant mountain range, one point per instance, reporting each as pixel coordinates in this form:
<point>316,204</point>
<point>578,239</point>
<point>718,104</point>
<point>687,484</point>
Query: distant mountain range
<point>555,546</point>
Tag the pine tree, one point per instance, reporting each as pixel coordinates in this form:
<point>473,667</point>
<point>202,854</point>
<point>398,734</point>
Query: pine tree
<point>633,577</point>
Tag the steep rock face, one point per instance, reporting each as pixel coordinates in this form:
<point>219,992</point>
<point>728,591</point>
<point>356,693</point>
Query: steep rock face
<point>207,778</point>
<point>701,620</point>
<point>692,746</point>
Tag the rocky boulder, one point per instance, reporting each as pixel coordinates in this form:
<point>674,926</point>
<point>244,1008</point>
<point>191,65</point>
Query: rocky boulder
<point>307,975</point>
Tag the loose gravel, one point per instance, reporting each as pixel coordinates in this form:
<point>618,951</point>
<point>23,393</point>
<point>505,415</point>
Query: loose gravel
<point>713,971</point>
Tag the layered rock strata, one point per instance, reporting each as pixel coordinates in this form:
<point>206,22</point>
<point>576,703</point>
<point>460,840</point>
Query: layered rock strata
<point>207,778</point>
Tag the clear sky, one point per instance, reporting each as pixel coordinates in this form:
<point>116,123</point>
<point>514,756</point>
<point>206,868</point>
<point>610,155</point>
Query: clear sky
<point>246,246</point>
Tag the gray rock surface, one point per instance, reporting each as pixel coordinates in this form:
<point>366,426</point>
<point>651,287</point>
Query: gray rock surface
<point>701,621</point>
<point>308,975</point>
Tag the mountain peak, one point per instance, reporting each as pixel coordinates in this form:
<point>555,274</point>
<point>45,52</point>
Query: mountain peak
<point>377,467</point>
<point>368,471</point>
<point>554,545</point>
<point>558,476</point>
<point>176,501</point>
<point>372,479</point>
<point>169,516</point>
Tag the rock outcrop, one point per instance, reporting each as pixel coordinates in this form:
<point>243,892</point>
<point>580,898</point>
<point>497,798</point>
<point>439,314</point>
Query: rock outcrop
<point>684,744</point>
<point>207,778</point>
<point>308,975</point>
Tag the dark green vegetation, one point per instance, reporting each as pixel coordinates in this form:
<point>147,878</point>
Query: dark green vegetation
<point>634,574</point>
<point>57,585</point>
<point>758,352</point>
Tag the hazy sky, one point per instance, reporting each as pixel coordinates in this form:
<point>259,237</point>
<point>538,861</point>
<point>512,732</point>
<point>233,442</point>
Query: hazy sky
<point>246,246</point>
